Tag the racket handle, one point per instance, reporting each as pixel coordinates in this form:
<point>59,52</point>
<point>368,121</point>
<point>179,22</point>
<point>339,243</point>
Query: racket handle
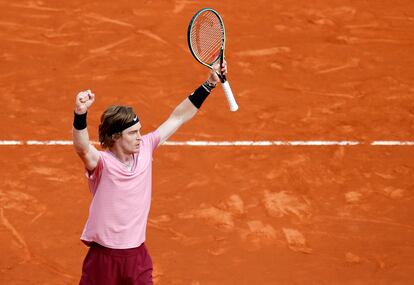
<point>229,95</point>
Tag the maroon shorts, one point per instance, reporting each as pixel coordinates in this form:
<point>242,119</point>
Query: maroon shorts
<point>106,266</point>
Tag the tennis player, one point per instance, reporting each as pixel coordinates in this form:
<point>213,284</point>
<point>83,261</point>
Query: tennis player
<point>119,180</point>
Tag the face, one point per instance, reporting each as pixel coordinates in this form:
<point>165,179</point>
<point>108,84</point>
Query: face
<point>130,139</point>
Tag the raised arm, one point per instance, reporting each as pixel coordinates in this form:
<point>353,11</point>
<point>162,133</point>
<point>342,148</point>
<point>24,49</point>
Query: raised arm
<point>86,151</point>
<point>189,107</point>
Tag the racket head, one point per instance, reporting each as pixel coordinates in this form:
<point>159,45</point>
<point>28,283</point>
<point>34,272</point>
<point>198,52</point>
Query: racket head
<point>206,36</point>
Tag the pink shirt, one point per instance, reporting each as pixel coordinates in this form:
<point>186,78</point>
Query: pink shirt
<point>121,198</point>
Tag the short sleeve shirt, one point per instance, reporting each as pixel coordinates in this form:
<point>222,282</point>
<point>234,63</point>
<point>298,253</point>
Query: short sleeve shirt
<point>121,200</point>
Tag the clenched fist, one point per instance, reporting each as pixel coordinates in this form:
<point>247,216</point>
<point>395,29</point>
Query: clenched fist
<point>217,69</point>
<point>84,100</point>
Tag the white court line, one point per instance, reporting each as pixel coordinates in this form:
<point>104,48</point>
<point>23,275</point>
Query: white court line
<point>32,142</point>
<point>227,143</point>
<point>392,143</point>
<point>11,143</point>
<point>260,143</point>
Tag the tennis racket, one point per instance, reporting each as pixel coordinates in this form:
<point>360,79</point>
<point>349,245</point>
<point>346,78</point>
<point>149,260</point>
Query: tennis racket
<point>207,40</point>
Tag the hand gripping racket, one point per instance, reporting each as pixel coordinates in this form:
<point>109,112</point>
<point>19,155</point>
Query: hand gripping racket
<point>207,40</point>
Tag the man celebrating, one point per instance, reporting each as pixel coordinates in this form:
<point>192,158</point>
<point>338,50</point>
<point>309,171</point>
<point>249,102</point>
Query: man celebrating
<point>120,181</point>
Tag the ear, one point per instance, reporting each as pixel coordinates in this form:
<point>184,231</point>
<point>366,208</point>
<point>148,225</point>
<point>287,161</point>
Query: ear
<point>116,136</point>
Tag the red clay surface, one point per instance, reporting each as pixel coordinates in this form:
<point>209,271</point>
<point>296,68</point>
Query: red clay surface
<point>301,70</point>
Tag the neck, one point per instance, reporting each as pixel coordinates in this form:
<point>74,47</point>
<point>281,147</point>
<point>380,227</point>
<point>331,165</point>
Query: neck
<point>121,155</point>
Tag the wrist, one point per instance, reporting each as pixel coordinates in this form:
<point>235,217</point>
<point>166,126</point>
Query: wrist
<point>79,121</point>
<point>199,96</point>
<point>208,85</point>
<point>80,111</point>
<point>213,79</point>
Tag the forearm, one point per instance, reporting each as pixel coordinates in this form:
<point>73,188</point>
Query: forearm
<point>187,109</point>
<point>80,137</point>
<point>80,134</point>
<point>81,141</point>
<point>184,112</point>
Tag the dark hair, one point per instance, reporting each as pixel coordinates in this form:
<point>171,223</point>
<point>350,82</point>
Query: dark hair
<point>111,119</point>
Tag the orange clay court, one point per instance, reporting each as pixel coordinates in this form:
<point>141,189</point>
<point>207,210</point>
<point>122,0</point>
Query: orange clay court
<point>301,70</point>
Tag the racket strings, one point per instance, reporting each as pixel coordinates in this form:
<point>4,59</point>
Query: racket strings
<point>207,37</point>
<point>208,40</point>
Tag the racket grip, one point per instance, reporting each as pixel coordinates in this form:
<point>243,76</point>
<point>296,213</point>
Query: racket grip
<point>229,95</point>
